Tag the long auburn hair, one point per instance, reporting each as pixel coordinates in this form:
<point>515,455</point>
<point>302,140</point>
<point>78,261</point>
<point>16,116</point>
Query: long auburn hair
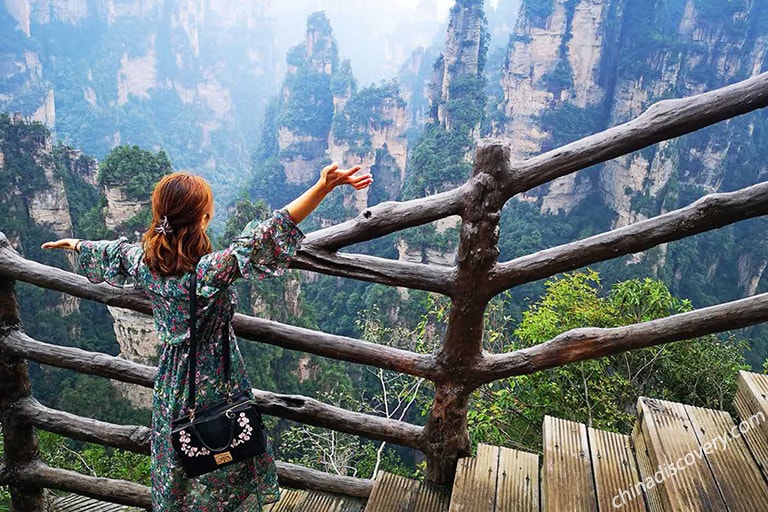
<point>184,200</point>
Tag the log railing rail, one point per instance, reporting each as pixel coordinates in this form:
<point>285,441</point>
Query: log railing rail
<point>459,366</point>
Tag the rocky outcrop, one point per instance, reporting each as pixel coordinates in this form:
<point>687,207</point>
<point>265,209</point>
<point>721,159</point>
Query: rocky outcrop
<point>301,155</point>
<point>49,207</point>
<point>120,207</point>
<point>138,342</point>
<point>709,53</point>
<point>463,53</point>
<point>584,65</point>
<point>46,113</point>
<point>288,304</point>
<point>546,56</point>
<point>308,103</point>
<point>371,131</point>
<point>151,71</point>
<point>34,193</point>
<point>137,76</point>
<point>136,335</point>
<point>751,268</point>
<point>322,53</point>
<point>324,118</point>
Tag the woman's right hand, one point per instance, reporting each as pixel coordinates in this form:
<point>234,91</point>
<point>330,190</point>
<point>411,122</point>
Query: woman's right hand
<point>331,177</point>
<point>64,243</point>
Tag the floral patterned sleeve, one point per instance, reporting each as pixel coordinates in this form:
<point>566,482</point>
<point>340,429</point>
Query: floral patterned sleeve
<point>115,262</point>
<point>261,250</point>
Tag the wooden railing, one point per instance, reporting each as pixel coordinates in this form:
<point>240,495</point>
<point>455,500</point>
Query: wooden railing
<point>460,365</point>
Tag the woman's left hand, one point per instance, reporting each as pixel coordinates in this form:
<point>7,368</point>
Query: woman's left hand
<point>331,177</point>
<point>64,243</point>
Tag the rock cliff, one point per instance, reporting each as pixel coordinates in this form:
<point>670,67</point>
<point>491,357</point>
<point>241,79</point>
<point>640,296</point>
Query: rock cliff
<point>575,67</point>
<point>143,72</point>
<point>321,116</point>
<point>34,200</point>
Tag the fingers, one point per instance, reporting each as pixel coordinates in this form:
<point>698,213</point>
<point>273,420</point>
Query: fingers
<point>330,168</point>
<point>334,176</point>
<point>353,180</point>
<point>351,171</point>
<point>360,182</point>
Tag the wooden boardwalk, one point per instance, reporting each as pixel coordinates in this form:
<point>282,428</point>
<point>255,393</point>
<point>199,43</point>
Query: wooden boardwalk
<point>77,503</point>
<point>312,501</point>
<point>678,458</point>
<point>392,493</point>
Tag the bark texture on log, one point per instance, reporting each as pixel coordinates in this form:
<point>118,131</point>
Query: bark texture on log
<point>336,347</point>
<point>19,439</point>
<point>105,489</point>
<point>301,408</point>
<point>664,120</point>
<point>127,437</point>
<point>299,477</point>
<point>709,212</point>
<point>446,430</point>
<point>386,218</point>
<point>20,344</point>
<point>295,407</point>
<point>432,278</point>
<point>592,342</point>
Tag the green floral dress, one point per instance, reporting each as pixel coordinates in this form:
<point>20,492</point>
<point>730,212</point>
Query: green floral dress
<point>261,250</point>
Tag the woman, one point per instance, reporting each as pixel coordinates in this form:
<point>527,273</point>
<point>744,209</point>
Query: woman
<point>175,245</point>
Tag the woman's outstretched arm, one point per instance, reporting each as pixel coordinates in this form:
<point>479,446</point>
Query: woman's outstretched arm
<point>73,244</point>
<point>330,178</point>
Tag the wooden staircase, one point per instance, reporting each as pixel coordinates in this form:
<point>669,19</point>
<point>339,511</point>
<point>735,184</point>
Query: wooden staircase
<point>312,501</point>
<point>678,458</point>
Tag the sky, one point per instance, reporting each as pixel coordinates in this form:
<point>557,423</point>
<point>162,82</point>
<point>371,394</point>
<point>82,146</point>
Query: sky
<point>377,36</point>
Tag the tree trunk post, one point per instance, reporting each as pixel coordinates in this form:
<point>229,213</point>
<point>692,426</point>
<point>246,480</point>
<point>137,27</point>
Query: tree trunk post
<point>20,440</point>
<point>446,434</point>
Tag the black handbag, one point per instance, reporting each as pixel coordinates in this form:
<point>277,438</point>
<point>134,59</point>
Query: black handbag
<point>220,434</point>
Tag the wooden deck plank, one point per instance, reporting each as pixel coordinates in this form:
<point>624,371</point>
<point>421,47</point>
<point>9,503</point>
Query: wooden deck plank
<point>737,476</point>
<point>474,487</point>
<point>288,500</point>
<point>644,465</point>
<point>431,499</point>
<point>615,471</point>
<point>751,403</point>
<point>78,503</point>
<point>518,481</point>
<point>670,439</point>
<point>391,493</point>
<point>292,500</point>
<point>567,480</point>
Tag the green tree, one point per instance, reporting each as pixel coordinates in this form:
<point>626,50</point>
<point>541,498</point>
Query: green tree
<point>602,392</point>
<point>135,169</point>
<point>93,459</point>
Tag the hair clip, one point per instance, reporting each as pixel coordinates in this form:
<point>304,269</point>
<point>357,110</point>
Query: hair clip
<point>164,227</point>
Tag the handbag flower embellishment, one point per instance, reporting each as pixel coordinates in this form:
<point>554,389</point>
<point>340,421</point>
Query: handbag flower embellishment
<point>245,434</point>
<point>188,449</point>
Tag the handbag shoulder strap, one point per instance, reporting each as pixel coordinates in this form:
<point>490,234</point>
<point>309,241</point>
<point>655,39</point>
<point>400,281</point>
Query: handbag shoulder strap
<point>193,349</point>
<point>192,341</point>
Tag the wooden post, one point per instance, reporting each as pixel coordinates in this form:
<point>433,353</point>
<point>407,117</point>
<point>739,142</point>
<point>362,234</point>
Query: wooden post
<point>446,434</point>
<point>20,439</point>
